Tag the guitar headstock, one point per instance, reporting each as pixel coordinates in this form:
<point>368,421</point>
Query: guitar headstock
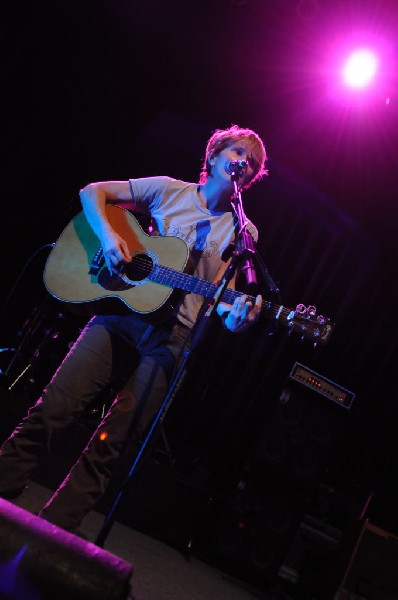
<point>304,321</point>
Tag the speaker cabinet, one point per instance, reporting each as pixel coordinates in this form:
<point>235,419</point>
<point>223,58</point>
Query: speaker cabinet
<point>41,561</point>
<point>302,437</point>
<point>372,569</point>
<point>249,534</point>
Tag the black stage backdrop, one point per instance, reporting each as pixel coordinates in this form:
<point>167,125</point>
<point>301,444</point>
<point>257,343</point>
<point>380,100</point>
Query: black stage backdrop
<point>98,90</point>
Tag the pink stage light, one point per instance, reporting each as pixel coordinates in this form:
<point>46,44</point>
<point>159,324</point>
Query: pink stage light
<point>360,69</point>
<point>360,72</point>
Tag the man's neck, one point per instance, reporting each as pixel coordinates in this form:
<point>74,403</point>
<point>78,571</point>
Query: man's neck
<point>215,198</point>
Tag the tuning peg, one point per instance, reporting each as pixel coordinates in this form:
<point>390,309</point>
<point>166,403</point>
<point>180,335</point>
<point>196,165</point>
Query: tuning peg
<point>301,309</point>
<point>311,310</point>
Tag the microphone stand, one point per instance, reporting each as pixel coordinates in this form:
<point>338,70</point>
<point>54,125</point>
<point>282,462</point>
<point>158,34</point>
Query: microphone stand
<point>245,244</point>
<point>241,253</point>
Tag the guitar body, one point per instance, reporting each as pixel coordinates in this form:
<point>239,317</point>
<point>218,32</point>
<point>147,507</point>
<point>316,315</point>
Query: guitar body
<point>70,277</point>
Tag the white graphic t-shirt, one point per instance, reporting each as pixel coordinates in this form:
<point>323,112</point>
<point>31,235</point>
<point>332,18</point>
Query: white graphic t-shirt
<point>176,210</point>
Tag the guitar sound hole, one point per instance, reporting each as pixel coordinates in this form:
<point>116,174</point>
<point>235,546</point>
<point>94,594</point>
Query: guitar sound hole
<point>112,281</point>
<point>139,268</point>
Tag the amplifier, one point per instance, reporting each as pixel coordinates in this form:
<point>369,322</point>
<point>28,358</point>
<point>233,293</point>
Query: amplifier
<point>320,384</point>
<point>372,569</point>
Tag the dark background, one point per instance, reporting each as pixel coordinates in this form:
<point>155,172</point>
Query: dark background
<point>96,90</point>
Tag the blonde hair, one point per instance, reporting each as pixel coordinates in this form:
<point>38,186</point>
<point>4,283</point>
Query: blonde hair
<point>222,138</point>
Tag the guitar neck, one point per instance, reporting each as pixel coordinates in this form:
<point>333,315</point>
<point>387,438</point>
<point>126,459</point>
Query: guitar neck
<point>195,285</point>
<point>302,320</point>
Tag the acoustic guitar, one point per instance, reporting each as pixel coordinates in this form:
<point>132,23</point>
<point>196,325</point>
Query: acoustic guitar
<point>75,272</point>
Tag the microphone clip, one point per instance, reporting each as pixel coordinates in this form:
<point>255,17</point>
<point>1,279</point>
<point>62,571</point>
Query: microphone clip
<point>236,168</point>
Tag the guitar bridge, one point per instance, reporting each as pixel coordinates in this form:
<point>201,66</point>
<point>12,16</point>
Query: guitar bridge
<point>97,262</point>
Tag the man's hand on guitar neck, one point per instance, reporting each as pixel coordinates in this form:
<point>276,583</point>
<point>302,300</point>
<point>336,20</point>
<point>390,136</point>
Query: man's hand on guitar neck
<point>241,315</point>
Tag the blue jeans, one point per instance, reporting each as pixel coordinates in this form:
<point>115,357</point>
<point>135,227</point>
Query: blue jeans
<point>110,348</point>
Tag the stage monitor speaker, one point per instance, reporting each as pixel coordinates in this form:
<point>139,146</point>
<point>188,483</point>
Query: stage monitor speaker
<point>372,569</point>
<point>40,561</point>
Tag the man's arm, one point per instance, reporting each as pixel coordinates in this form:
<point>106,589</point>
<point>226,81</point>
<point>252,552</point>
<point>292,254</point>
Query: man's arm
<point>94,198</point>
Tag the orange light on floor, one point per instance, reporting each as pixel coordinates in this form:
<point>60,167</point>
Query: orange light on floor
<point>103,435</point>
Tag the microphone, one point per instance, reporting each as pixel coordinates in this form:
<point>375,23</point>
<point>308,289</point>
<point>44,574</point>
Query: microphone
<point>236,167</point>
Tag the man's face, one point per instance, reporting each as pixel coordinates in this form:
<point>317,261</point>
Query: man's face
<point>238,150</point>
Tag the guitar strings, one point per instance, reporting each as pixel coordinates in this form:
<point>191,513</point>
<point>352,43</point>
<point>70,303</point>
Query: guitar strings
<point>190,283</point>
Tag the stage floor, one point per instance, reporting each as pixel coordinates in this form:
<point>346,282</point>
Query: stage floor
<point>160,572</point>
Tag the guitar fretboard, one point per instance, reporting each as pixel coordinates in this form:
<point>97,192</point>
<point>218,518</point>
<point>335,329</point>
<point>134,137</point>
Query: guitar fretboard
<point>191,283</point>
